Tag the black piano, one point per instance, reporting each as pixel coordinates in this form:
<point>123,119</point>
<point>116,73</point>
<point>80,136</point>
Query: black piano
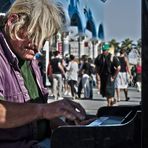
<point>115,127</point>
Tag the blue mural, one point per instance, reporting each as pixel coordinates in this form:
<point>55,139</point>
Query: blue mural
<point>90,25</point>
<point>74,3</point>
<point>101,32</point>
<point>103,1</point>
<point>76,20</point>
<point>75,15</point>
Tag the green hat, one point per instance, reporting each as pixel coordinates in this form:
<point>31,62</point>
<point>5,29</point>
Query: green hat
<point>105,46</point>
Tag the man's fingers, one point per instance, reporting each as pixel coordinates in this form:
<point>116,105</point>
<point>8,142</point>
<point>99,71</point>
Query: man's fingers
<point>69,115</point>
<point>73,110</point>
<point>78,109</point>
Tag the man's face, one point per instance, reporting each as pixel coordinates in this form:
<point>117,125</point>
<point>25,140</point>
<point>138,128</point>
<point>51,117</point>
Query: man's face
<point>23,48</point>
<point>105,52</point>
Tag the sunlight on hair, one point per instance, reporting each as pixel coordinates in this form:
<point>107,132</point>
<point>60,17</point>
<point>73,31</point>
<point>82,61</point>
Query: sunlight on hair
<point>41,17</point>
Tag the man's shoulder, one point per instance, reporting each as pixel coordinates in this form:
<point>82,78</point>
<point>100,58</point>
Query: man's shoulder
<point>99,55</point>
<point>112,57</point>
<point>98,58</point>
<point>116,58</point>
<point>54,60</point>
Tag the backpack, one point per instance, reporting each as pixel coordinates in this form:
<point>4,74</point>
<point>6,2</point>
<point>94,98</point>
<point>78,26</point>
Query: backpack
<point>100,64</point>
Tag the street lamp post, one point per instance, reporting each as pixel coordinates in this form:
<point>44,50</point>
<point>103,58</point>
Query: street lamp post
<point>69,51</point>
<point>93,47</point>
<point>79,47</point>
<point>94,42</point>
<point>65,42</point>
<point>80,39</point>
<point>62,39</point>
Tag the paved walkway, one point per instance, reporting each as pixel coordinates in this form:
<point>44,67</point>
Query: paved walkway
<point>91,106</point>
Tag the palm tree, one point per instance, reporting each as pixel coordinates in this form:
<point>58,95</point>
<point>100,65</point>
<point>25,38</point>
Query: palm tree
<point>127,44</point>
<point>115,44</point>
<point>139,45</point>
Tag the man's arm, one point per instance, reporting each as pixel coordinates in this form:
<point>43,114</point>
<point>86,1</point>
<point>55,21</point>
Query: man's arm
<point>128,66</point>
<point>18,114</point>
<point>97,77</point>
<point>117,66</point>
<point>68,66</point>
<point>61,68</point>
<point>116,72</point>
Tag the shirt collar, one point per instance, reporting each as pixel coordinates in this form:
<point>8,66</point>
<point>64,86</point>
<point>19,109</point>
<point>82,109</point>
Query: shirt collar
<point>7,50</point>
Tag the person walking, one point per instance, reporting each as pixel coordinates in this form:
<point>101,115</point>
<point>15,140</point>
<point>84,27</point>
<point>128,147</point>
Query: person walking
<point>57,74</point>
<point>122,80</point>
<point>25,115</point>
<point>107,68</point>
<point>87,79</point>
<point>72,75</point>
<point>138,75</point>
<point>80,74</point>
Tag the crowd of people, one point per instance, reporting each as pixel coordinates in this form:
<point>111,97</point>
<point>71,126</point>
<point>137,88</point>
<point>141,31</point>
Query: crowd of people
<point>72,76</point>
<point>109,73</point>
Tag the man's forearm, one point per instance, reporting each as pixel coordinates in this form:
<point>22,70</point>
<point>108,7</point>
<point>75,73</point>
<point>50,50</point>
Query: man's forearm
<point>18,114</point>
<point>62,69</point>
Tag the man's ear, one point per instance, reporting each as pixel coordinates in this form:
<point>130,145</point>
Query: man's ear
<point>12,19</point>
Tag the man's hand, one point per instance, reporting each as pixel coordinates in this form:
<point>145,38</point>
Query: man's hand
<point>112,79</point>
<point>67,108</point>
<point>12,117</point>
<point>85,122</point>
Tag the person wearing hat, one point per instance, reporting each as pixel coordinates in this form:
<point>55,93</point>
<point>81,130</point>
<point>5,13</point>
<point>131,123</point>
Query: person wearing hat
<point>105,47</point>
<point>107,68</point>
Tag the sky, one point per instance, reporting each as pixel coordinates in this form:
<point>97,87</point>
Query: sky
<point>122,19</point>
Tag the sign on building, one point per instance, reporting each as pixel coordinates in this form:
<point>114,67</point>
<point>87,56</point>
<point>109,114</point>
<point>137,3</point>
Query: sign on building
<point>60,48</point>
<point>74,49</point>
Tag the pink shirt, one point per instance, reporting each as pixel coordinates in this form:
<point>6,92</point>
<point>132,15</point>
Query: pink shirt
<point>138,69</point>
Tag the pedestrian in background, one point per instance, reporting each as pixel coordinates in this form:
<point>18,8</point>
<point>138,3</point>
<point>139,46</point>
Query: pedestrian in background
<point>58,73</point>
<point>138,75</point>
<point>122,80</point>
<point>92,79</point>
<point>72,75</point>
<point>107,67</point>
<point>80,74</point>
<point>66,86</point>
<point>87,79</point>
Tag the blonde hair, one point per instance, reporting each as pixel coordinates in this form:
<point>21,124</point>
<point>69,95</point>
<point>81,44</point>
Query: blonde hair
<point>41,17</point>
